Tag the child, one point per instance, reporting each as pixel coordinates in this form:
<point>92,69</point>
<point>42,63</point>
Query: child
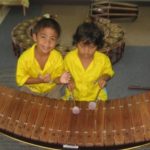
<point>89,68</point>
<point>39,67</point>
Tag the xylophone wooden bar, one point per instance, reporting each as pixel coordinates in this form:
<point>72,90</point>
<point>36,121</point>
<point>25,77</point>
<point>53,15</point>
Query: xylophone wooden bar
<point>11,110</point>
<point>65,123</point>
<point>91,127</point>
<point>100,113</point>
<point>62,123</point>
<point>40,121</point>
<point>108,127</point>
<point>47,126</point>
<point>30,124</point>
<point>5,109</point>
<point>81,126</point>
<point>116,123</point>
<point>145,113</point>
<point>73,129</point>
<point>14,117</point>
<point>24,115</point>
<point>136,119</point>
<point>54,131</point>
<point>127,122</point>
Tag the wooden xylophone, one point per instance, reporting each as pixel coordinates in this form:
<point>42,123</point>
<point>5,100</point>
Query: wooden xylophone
<point>118,122</point>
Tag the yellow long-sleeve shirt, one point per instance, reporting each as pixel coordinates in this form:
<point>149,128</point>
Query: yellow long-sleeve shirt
<point>86,85</point>
<point>28,66</point>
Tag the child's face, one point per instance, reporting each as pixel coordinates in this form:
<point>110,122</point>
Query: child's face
<point>46,40</point>
<point>86,50</point>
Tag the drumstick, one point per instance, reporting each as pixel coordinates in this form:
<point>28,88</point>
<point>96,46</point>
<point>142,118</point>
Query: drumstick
<point>136,87</point>
<point>92,105</point>
<point>75,109</point>
<point>96,98</point>
<point>72,98</point>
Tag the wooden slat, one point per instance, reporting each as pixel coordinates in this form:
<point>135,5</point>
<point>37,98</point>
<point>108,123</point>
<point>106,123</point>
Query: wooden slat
<point>127,122</point>
<point>62,123</point>
<point>100,111</point>
<point>27,108</point>
<point>8,115</point>
<point>91,127</point>
<point>72,127</point>
<point>118,14</point>
<point>136,119</point>
<point>5,94</point>
<point>30,124</point>
<point>82,125</point>
<point>40,120</point>
<point>55,132</point>
<point>15,113</point>
<point>2,103</point>
<point>118,122</point>
<point>115,4</point>
<point>47,126</point>
<point>145,114</point>
<point>114,8</point>
<point>6,104</point>
<point>108,126</point>
<point>65,123</point>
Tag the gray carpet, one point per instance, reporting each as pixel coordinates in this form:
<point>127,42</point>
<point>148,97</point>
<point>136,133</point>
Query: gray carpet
<point>132,69</point>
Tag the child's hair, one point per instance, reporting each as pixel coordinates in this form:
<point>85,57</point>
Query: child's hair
<point>47,22</point>
<point>89,32</point>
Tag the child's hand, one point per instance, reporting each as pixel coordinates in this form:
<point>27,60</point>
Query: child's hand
<point>102,82</point>
<point>45,78</point>
<point>65,78</point>
<point>71,85</point>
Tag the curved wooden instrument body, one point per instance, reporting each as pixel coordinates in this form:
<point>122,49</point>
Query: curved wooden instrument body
<point>117,122</point>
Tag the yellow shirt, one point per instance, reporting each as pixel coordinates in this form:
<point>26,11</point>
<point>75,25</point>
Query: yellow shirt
<point>28,66</point>
<point>86,85</point>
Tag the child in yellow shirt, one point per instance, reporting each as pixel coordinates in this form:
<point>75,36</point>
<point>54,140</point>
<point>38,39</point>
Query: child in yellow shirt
<point>89,68</point>
<point>39,67</point>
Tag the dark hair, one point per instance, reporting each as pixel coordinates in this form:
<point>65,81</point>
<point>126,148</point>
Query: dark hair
<point>89,32</point>
<point>47,22</point>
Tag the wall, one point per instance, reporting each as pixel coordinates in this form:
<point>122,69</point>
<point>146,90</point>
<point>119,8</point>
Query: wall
<point>61,1</point>
<point>3,12</point>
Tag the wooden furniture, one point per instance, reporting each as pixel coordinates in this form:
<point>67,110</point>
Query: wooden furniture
<point>111,9</point>
<point>24,3</point>
<point>118,123</point>
<point>138,87</point>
